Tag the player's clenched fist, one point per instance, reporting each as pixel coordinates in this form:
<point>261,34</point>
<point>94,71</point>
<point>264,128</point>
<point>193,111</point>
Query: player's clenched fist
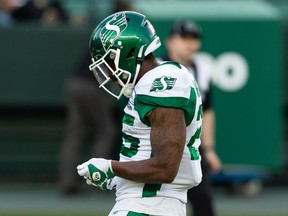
<point>97,172</point>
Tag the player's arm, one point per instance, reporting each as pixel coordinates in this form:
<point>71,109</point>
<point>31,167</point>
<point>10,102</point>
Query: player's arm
<point>168,134</point>
<point>208,130</point>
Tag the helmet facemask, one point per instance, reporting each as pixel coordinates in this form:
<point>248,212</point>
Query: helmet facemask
<point>110,77</point>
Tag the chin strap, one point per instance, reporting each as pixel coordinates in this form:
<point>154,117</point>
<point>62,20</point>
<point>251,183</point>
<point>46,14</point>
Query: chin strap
<point>127,92</point>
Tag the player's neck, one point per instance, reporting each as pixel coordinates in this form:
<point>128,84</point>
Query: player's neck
<point>149,63</point>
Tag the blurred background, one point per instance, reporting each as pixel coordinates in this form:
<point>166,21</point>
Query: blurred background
<point>42,43</point>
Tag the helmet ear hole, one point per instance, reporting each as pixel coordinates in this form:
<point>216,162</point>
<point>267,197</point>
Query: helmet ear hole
<point>131,53</point>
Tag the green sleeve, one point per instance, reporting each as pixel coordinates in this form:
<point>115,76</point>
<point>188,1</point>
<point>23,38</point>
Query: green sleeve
<point>145,104</point>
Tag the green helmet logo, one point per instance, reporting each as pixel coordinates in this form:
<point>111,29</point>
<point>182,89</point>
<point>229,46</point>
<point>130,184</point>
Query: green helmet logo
<point>112,30</point>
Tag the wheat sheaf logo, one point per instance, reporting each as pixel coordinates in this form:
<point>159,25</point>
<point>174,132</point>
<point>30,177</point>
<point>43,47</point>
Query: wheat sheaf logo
<point>163,83</point>
<point>112,30</point>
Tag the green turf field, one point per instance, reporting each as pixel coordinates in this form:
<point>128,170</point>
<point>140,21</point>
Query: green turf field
<point>46,200</point>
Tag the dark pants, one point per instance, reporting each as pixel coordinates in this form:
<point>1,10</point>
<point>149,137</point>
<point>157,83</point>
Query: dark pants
<point>88,110</point>
<point>200,197</point>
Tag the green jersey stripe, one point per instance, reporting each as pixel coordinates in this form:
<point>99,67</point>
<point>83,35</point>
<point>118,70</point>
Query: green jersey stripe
<point>150,190</point>
<point>128,119</point>
<point>134,145</point>
<point>145,104</point>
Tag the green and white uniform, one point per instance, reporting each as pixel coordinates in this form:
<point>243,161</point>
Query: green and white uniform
<point>168,85</point>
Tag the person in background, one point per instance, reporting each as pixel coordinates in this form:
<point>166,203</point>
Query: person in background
<point>54,13</point>
<point>31,11</point>
<point>89,114</point>
<point>7,7</point>
<point>42,11</point>
<point>183,42</point>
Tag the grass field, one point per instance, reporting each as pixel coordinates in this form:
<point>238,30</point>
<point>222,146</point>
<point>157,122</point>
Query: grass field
<point>45,200</point>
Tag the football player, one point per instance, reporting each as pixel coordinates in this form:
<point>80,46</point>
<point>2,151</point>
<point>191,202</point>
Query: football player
<point>159,159</point>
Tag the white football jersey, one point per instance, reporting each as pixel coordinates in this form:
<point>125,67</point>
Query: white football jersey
<point>168,85</point>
